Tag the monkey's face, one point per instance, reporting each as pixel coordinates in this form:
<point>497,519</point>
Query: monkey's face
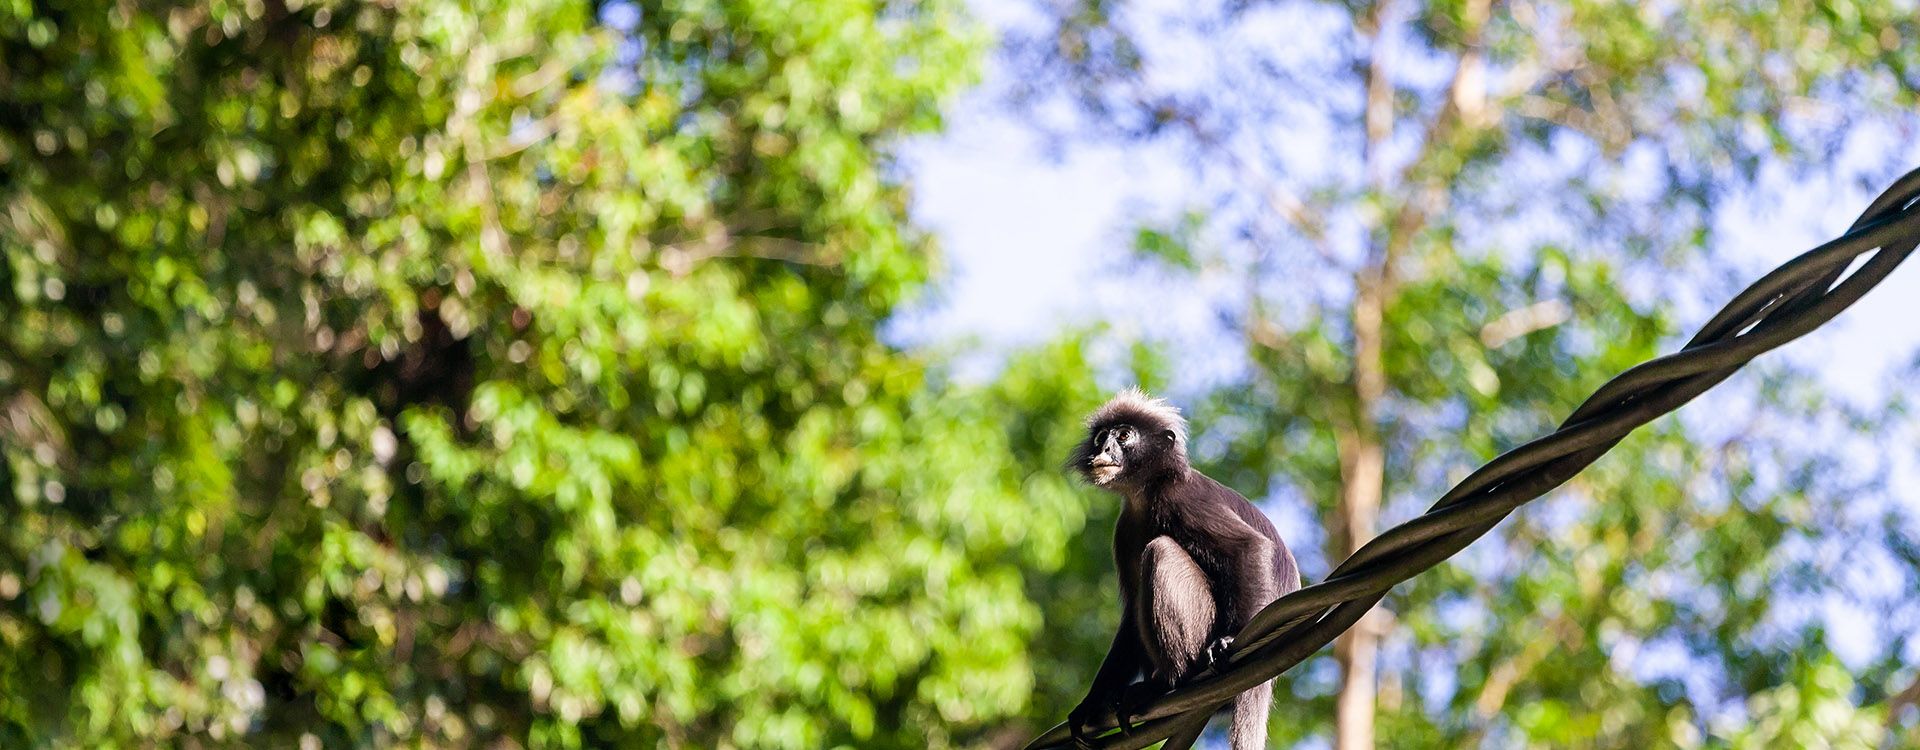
<point>1132,442</point>
<point>1115,448</point>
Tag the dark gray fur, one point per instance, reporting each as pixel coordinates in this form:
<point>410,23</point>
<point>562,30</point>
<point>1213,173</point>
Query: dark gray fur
<point>1196,561</point>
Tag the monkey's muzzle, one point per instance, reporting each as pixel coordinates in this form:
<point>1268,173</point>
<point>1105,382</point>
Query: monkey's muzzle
<point>1103,468</point>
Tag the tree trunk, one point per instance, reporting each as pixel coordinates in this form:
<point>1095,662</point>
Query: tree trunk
<point>1363,478</point>
<point>1362,458</point>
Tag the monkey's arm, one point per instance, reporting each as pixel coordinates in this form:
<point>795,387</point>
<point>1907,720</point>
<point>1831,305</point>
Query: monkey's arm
<point>1124,660</point>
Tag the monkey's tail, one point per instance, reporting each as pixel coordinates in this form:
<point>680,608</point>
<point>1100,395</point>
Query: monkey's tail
<point>1250,717</point>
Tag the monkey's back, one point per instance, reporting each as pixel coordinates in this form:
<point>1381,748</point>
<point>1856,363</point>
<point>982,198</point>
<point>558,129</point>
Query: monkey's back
<point>1286,572</point>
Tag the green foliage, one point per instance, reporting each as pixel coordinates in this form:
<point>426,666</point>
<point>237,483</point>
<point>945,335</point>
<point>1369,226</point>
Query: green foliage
<point>434,374</point>
<point>1171,246</point>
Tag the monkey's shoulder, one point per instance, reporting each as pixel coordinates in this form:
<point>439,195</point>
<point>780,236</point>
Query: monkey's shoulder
<point>1202,495</point>
<point>1199,509</point>
<point>1197,485</point>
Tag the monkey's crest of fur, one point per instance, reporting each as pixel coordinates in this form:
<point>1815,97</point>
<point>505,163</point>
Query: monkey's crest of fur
<point>1134,405</point>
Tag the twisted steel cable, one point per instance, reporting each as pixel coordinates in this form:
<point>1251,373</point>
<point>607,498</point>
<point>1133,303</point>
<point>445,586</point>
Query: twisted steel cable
<point>1794,299</point>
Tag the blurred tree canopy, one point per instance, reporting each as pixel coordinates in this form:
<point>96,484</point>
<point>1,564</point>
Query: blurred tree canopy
<point>1429,230</point>
<point>457,375</point>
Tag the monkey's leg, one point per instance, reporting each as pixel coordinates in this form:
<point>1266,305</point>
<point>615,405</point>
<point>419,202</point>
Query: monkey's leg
<point>1176,610</point>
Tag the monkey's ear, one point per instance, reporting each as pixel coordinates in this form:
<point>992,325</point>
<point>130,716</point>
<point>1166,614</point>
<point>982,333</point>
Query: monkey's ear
<point>1170,436</point>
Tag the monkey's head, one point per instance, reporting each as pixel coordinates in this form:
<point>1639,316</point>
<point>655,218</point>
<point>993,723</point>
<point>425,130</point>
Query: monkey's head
<point>1133,439</point>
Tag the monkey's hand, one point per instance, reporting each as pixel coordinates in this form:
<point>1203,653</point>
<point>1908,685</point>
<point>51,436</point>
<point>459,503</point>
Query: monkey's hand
<point>1091,709</point>
<point>1217,651</point>
<point>1134,699</point>
<point>1122,705</point>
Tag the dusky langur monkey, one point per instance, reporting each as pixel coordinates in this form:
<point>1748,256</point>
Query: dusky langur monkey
<point>1196,561</point>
